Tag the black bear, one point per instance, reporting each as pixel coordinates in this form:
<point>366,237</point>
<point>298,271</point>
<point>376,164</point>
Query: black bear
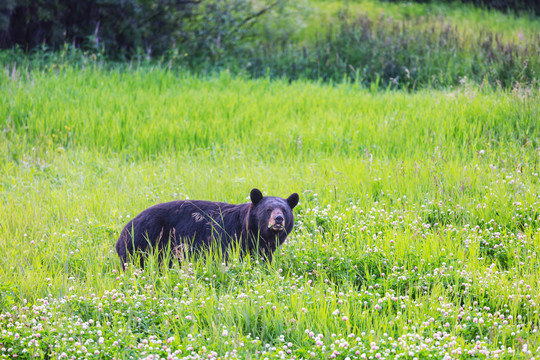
<point>194,225</point>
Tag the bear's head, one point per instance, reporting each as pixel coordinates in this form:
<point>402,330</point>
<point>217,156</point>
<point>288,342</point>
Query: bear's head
<point>272,217</point>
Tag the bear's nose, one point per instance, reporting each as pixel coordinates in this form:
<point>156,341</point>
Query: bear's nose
<point>279,219</point>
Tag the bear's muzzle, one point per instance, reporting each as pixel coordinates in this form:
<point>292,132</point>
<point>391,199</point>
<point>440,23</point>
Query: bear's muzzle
<point>277,221</point>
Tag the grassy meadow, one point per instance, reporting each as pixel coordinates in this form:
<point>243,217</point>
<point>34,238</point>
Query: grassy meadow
<point>416,235</point>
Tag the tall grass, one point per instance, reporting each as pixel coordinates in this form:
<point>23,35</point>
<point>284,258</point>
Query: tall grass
<point>416,235</point>
<point>153,111</point>
<point>407,51</point>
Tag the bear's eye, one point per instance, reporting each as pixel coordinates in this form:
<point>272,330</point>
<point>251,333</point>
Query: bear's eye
<point>269,211</point>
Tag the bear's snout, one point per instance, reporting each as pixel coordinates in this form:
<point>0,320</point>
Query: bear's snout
<point>277,220</point>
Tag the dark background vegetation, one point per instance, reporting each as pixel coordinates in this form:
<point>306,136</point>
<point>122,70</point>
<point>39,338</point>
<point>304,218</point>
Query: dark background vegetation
<point>236,35</point>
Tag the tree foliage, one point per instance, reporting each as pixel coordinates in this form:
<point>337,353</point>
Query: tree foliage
<point>122,26</point>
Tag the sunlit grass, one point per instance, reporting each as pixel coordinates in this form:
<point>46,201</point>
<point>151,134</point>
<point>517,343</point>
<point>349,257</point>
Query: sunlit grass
<point>472,21</point>
<point>416,234</point>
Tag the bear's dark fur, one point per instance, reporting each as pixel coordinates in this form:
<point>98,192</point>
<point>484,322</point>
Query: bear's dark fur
<point>194,225</point>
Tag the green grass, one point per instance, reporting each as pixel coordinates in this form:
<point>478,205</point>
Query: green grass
<point>471,20</point>
<point>409,46</point>
<point>416,234</point>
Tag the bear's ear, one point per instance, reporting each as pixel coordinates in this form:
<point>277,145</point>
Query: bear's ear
<point>293,200</point>
<point>256,196</point>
